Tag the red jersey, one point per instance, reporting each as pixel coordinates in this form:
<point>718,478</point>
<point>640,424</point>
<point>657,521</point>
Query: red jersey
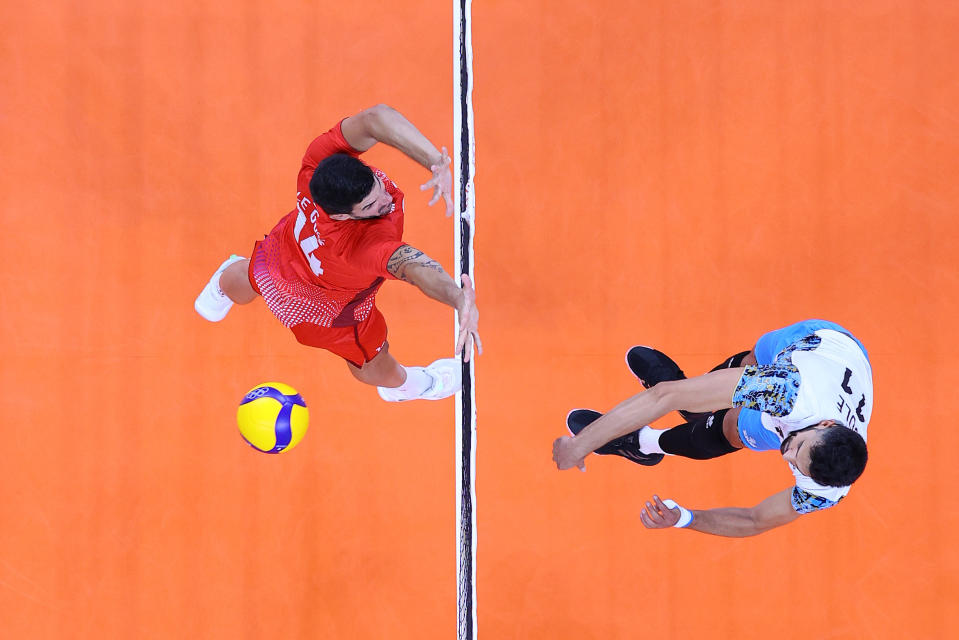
<point>334,267</point>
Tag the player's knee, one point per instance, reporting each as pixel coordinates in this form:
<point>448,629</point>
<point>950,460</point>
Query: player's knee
<point>356,371</point>
<point>731,428</point>
<point>235,282</point>
<point>381,370</point>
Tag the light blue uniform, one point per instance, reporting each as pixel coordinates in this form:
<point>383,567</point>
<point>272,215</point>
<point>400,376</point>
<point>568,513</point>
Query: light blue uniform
<point>807,372</point>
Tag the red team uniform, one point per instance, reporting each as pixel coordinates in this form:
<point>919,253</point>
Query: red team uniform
<point>320,276</point>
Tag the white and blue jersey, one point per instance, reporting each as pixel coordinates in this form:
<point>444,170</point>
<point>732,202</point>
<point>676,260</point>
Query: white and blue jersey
<point>806,373</point>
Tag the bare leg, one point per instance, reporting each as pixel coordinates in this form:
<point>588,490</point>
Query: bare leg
<point>748,359</point>
<point>382,371</point>
<point>235,283</point>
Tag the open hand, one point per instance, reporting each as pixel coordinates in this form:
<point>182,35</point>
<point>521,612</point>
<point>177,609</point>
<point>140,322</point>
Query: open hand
<point>469,320</point>
<point>441,183</point>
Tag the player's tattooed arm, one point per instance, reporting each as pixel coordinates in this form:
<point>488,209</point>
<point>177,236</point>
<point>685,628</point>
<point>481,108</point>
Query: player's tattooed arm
<point>412,265</point>
<point>407,260</point>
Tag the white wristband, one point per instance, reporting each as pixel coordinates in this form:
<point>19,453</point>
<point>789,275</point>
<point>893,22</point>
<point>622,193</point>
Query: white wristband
<point>685,516</point>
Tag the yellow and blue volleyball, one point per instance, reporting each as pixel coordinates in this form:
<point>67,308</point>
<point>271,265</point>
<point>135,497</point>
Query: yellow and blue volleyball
<point>272,417</point>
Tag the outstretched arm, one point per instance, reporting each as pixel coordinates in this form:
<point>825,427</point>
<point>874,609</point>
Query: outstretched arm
<point>385,124</point>
<point>709,392</point>
<point>412,265</point>
<point>731,522</point>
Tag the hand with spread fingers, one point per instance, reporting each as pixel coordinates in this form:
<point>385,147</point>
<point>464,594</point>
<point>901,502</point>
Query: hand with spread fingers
<point>441,183</point>
<point>469,320</point>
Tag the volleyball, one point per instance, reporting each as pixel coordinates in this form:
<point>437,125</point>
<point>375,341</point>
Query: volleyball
<point>272,417</point>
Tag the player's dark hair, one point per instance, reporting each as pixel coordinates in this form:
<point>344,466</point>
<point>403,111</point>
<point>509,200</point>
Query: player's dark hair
<point>839,458</point>
<point>339,182</point>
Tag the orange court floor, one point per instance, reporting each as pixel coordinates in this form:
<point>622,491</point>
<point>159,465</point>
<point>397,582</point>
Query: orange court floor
<point>685,174</point>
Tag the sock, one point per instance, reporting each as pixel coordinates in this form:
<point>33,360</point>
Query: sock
<point>417,381</point>
<point>649,440</point>
<point>700,439</point>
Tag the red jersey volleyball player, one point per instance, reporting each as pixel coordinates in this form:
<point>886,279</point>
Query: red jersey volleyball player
<point>319,269</point>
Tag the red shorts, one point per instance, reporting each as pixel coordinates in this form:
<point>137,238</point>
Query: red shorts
<point>357,344</point>
<point>350,326</point>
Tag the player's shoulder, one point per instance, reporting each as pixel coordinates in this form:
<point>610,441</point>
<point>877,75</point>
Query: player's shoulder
<point>327,144</point>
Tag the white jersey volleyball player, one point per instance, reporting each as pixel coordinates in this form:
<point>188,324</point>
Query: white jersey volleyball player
<point>805,390</point>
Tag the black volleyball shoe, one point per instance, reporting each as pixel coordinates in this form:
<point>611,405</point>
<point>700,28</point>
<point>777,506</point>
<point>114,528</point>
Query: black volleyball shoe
<point>651,367</point>
<point>625,447</point>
